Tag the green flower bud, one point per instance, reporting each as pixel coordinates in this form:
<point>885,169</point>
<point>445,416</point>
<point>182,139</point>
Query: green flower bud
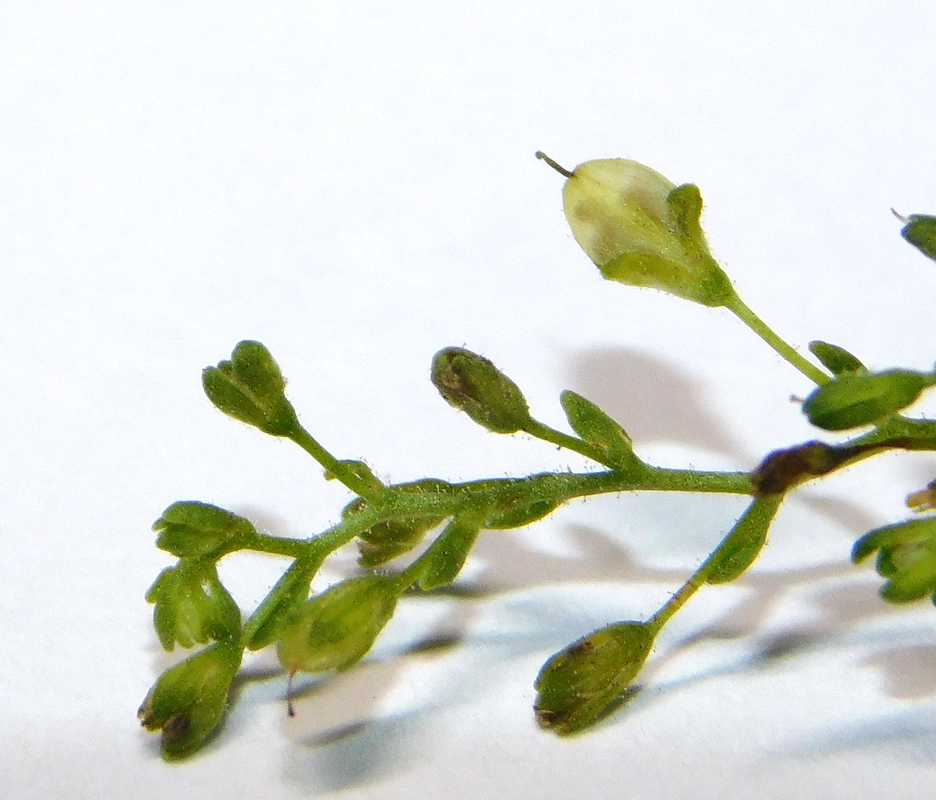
<point>855,399</point>
<point>906,557</point>
<point>445,559</point>
<point>387,540</point>
<point>391,538</point>
<point>473,384</point>
<point>290,592</point>
<point>614,446</point>
<point>582,684</point>
<point>192,606</point>
<point>191,529</point>
<point>335,629</point>
<point>188,700</point>
<point>836,359</point>
<point>516,512</point>
<point>641,229</point>
<point>920,231</point>
<point>745,541</point>
<point>250,388</point>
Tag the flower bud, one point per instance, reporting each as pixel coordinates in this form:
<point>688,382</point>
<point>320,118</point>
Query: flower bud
<point>393,537</point>
<point>190,529</point>
<point>188,700</point>
<point>250,388</point>
<point>614,446</point>
<point>335,629</point>
<point>192,606</point>
<point>518,511</point>
<point>445,559</point>
<point>473,384</point>
<point>920,231</point>
<point>855,399</point>
<point>582,684</point>
<point>641,229</point>
<point>836,359</point>
<point>906,558</point>
<point>290,592</point>
<point>745,541</point>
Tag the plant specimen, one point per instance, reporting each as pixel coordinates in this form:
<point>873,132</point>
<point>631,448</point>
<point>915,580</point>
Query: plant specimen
<point>639,229</point>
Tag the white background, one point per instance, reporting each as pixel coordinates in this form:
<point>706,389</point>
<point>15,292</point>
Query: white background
<point>354,185</point>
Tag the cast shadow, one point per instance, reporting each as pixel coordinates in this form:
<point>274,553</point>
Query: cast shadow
<point>653,400</point>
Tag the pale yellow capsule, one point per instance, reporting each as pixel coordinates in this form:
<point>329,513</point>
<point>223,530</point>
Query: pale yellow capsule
<point>639,228</point>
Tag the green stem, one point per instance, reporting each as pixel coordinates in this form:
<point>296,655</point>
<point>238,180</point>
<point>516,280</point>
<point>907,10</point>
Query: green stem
<point>741,310</point>
<point>542,431</point>
<point>332,465</point>
<point>279,546</point>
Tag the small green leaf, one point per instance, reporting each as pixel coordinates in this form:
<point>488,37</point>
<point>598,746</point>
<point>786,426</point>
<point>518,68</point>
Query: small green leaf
<point>836,359</point>
<point>579,685</point>
<point>745,541</point>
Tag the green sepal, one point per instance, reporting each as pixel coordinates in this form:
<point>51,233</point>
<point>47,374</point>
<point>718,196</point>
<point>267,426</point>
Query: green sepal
<point>290,592</point>
<point>190,529</point>
<point>920,231</point>
<point>472,384</point>
<point>192,606</point>
<point>335,629</point>
<point>836,359</point>
<point>447,555</point>
<point>614,447</point>
<point>582,684</point>
<point>188,700</point>
<point>906,558</point>
<point>745,540</point>
<point>250,388</point>
<point>856,399</point>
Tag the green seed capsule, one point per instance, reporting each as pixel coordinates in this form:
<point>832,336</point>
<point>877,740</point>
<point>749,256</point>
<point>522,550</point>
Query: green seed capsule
<point>856,399</point>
